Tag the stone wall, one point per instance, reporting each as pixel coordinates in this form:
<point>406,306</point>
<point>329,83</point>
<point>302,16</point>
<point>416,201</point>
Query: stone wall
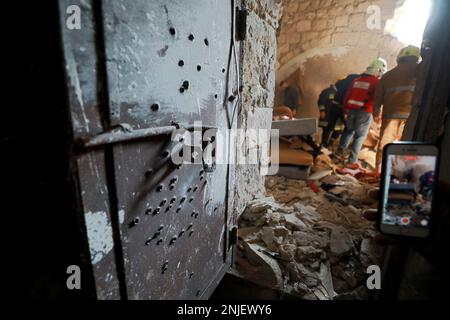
<point>258,76</point>
<point>322,40</point>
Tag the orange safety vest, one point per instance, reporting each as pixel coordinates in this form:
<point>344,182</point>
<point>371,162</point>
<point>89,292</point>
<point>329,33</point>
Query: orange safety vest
<point>361,93</point>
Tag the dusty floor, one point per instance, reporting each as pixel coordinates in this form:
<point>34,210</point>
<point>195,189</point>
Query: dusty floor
<point>309,239</point>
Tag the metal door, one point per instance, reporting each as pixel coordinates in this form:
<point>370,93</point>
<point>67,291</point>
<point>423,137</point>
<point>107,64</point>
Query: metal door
<point>136,70</point>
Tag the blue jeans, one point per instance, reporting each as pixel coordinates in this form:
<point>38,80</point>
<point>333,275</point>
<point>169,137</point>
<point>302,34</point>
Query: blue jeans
<point>357,127</point>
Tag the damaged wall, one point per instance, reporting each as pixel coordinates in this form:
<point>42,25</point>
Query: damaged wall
<point>321,41</point>
<point>258,72</point>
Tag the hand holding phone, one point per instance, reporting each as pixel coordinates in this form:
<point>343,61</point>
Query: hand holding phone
<point>407,189</point>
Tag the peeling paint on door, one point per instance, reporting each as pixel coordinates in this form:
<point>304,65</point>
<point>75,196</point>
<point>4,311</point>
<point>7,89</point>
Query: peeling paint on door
<point>99,234</point>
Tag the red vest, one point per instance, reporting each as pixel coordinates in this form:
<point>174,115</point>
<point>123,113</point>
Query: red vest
<point>361,93</point>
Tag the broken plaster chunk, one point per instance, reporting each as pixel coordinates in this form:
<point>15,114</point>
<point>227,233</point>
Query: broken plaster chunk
<point>275,245</point>
<point>296,243</point>
<point>287,252</point>
<point>281,231</point>
<point>326,279</point>
<point>267,235</point>
<point>273,219</point>
<point>278,240</point>
<point>303,211</point>
<point>341,241</point>
<point>260,207</point>
<point>305,272</point>
<point>268,271</point>
<point>294,223</point>
<point>298,272</point>
<point>300,288</point>
<point>249,234</point>
<point>306,193</point>
<point>371,249</point>
<point>294,274</point>
<point>307,238</point>
<point>320,294</point>
<point>307,252</point>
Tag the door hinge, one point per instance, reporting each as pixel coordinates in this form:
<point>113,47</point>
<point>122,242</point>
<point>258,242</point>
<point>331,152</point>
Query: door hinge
<point>241,24</point>
<point>232,236</point>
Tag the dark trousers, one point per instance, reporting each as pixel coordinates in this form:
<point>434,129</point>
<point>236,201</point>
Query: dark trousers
<point>334,114</point>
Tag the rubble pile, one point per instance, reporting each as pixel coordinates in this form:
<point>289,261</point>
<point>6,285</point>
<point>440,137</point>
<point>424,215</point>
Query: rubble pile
<point>309,239</point>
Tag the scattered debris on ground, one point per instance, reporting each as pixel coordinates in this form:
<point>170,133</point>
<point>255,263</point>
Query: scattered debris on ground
<point>308,239</point>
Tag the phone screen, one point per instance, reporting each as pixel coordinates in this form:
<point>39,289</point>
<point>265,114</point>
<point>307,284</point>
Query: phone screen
<point>409,188</point>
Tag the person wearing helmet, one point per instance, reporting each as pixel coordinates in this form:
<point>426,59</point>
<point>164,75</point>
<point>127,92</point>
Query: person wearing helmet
<point>332,110</point>
<point>358,107</point>
<point>393,98</point>
<point>326,104</point>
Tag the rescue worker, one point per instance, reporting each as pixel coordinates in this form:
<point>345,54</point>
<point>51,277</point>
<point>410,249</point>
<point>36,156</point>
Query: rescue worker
<point>328,115</point>
<point>393,98</point>
<point>290,94</point>
<point>332,110</point>
<point>342,87</point>
<point>358,108</point>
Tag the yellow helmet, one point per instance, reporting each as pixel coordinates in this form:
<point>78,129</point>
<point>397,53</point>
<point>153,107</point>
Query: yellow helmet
<point>377,67</point>
<point>409,51</point>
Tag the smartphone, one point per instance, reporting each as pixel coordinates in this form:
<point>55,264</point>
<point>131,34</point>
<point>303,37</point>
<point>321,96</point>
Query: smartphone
<point>408,179</point>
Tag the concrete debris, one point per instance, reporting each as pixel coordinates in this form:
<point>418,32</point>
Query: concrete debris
<point>249,234</point>
<point>293,272</point>
<point>287,252</point>
<point>259,207</point>
<point>304,238</point>
<point>370,249</point>
<point>307,253</point>
<point>307,245</point>
<point>268,236</point>
<point>294,223</point>
<point>327,279</point>
<point>334,180</point>
<point>281,231</point>
<point>262,269</point>
<point>341,241</point>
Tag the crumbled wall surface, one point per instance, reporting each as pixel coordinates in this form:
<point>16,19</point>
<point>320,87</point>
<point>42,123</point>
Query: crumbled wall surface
<point>300,243</point>
<point>257,97</point>
<point>324,40</point>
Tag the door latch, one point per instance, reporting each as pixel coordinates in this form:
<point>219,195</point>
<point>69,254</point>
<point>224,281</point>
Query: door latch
<point>232,236</point>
